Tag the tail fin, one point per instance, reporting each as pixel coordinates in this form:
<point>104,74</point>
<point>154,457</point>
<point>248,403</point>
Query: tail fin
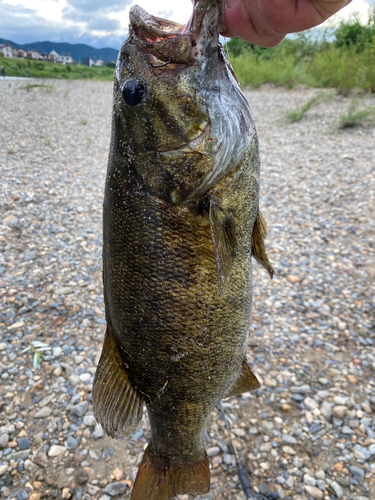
<point>159,480</point>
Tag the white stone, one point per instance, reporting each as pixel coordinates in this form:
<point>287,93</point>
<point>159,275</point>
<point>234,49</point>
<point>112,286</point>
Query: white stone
<point>56,450</point>
<point>3,469</point>
<point>43,413</point>
<point>90,420</point>
<point>314,492</point>
<point>57,351</point>
<point>310,403</point>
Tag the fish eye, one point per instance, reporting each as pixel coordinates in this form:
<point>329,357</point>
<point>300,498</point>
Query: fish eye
<point>132,92</point>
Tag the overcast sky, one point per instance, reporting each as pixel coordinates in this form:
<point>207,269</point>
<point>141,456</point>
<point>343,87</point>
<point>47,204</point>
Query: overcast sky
<point>99,23</point>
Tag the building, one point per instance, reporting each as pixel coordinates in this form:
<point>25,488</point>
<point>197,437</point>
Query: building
<point>99,63</point>
<point>65,59</point>
<point>21,53</point>
<point>53,55</point>
<point>33,54</point>
<point>87,61</point>
<point>8,50</point>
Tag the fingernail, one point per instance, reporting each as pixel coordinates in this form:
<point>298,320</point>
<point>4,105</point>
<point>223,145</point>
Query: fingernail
<point>230,3</point>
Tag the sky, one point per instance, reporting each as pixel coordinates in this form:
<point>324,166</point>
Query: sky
<point>99,23</point>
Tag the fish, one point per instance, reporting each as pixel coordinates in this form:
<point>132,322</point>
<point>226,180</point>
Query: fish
<point>181,223</point>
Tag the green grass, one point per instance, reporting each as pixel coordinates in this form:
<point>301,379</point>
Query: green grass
<point>30,86</point>
<point>357,114</point>
<point>296,115</point>
<point>340,68</point>
<point>340,58</point>
<point>46,69</point>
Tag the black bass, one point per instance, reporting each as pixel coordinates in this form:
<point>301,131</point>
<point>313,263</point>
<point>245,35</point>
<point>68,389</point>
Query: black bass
<point>181,223</point>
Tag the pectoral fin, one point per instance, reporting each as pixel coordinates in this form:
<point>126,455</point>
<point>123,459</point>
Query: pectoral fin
<point>245,382</point>
<point>258,248</point>
<point>223,231</point>
<point>117,406</point>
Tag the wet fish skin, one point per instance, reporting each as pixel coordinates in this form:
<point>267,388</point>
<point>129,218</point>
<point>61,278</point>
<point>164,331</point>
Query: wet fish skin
<point>181,203</point>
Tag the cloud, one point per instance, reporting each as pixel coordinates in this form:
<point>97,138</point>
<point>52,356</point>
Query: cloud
<point>23,25</point>
<point>103,24</point>
<point>15,18</point>
<point>91,21</point>
<point>99,5</point>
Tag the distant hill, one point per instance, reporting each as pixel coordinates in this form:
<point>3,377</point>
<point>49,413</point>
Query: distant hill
<point>77,51</point>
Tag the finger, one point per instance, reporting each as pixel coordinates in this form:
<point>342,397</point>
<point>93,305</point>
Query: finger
<point>238,22</point>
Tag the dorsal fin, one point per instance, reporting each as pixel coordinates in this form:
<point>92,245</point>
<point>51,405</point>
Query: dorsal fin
<point>258,249</point>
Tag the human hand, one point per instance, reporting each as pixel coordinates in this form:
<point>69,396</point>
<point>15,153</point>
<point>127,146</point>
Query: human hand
<point>266,22</point>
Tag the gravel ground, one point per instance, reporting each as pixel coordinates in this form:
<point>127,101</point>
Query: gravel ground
<point>309,432</point>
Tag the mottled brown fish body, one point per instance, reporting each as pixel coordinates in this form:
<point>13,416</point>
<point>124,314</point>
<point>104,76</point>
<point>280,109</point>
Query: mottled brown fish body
<point>187,340</point>
<point>178,228</point>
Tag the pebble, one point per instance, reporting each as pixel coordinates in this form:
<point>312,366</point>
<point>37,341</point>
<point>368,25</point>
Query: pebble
<point>80,409</point>
<point>339,411</point>
<point>336,488</point>
<point>310,404</point>
<point>320,474</point>
<point>24,443</point>
<point>347,430</point>
<point>289,439</point>
<point>314,492</point>
<point>4,439</point>
<point>288,450</point>
<point>307,479</point>
<point>114,489</point>
<point>56,451</point>
<point>56,352</point>
<point>44,412</point>
<point>71,443</point>
<point>357,472</point>
<point>213,451</point>
<point>89,420</point>
<point>18,455</point>
<point>340,400</point>
<point>326,410</point>
<point>361,453</point>
<point>3,469</point>
<point>301,389</point>
<point>310,334</point>
<point>98,432</point>
<point>40,456</point>
<point>45,401</point>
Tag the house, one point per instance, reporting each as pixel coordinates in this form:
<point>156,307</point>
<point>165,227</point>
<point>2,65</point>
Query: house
<point>99,63</point>
<point>8,50</point>
<point>87,61</point>
<point>33,54</point>
<point>21,53</point>
<point>53,55</point>
<point>65,59</point>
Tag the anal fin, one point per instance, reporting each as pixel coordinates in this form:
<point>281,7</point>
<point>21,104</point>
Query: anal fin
<point>223,231</point>
<point>158,479</point>
<point>245,382</point>
<point>117,406</point>
<point>258,248</point>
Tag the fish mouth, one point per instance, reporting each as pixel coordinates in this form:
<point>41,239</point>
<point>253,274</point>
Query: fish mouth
<point>168,42</point>
<point>171,47</point>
